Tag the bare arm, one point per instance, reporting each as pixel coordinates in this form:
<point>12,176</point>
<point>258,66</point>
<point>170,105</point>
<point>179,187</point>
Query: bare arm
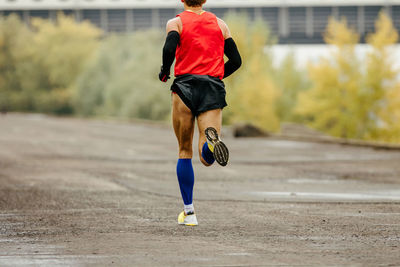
<point>174,24</point>
<point>224,28</point>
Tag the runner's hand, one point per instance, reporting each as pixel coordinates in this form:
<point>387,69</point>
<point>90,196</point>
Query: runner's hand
<point>164,75</point>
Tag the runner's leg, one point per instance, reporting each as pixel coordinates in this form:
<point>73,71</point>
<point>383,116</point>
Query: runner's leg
<point>183,122</point>
<point>211,118</point>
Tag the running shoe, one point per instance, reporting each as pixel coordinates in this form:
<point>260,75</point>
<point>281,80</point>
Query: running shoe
<point>219,149</point>
<point>187,219</point>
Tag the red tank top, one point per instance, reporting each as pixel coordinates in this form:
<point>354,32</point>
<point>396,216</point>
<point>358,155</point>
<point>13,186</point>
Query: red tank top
<point>201,47</point>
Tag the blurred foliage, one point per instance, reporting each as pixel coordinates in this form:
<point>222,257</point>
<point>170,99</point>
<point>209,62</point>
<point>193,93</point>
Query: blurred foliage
<point>63,67</point>
<point>122,79</point>
<point>332,104</point>
<point>38,65</point>
<point>63,47</point>
<point>291,81</point>
<point>351,98</point>
<point>382,86</point>
<point>252,92</point>
<point>16,66</point>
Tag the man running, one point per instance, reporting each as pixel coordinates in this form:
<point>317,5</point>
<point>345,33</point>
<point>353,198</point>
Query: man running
<point>198,40</point>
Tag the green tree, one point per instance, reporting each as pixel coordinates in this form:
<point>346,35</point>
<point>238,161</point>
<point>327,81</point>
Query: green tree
<point>333,103</point>
<point>291,82</point>
<point>252,92</point>
<point>122,79</point>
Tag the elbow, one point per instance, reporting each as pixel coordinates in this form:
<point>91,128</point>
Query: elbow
<point>237,62</point>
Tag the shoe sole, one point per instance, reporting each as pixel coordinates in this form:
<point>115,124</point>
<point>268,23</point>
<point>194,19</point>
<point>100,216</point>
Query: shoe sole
<point>187,223</point>
<point>221,152</point>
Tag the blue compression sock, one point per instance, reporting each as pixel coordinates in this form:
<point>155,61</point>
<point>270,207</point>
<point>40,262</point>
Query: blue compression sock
<point>207,155</point>
<point>185,173</point>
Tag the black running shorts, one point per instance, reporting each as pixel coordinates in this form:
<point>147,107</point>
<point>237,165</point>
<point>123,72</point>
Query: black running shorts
<point>200,93</point>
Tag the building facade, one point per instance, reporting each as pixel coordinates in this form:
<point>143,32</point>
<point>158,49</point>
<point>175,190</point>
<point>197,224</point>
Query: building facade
<point>293,21</point>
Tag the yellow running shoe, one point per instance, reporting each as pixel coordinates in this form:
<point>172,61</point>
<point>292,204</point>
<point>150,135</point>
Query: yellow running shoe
<point>189,219</point>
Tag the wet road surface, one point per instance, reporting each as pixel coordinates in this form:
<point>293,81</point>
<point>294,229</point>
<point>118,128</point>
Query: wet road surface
<point>87,193</point>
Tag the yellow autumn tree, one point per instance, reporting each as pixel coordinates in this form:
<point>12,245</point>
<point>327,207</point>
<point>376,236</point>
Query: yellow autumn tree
<point>16,65</point>
<point>64,46</point>
<point>332,104</point>
<point>390,115</point>
<point>252,92</point>
<point>62,50</point>
<point>382,87</point>
<point>39,64</point>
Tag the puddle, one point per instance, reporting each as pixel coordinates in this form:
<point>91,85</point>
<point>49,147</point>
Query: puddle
<point>312,181</point>
<point>381,195</point>
<point>239,254</point>
<point>51,260</point>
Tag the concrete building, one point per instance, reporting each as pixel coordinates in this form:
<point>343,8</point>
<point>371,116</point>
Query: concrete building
<point>293,21</point>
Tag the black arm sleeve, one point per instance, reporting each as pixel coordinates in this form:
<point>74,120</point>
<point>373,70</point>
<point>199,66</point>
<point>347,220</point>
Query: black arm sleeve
<point>234,60</point>
<point>169,49</point>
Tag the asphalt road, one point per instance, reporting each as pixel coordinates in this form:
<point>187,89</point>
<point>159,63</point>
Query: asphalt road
<point>76,192</point>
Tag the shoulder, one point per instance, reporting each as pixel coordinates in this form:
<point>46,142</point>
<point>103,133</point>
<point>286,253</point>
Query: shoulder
<point>174,24</point>
<point>224,28</point>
